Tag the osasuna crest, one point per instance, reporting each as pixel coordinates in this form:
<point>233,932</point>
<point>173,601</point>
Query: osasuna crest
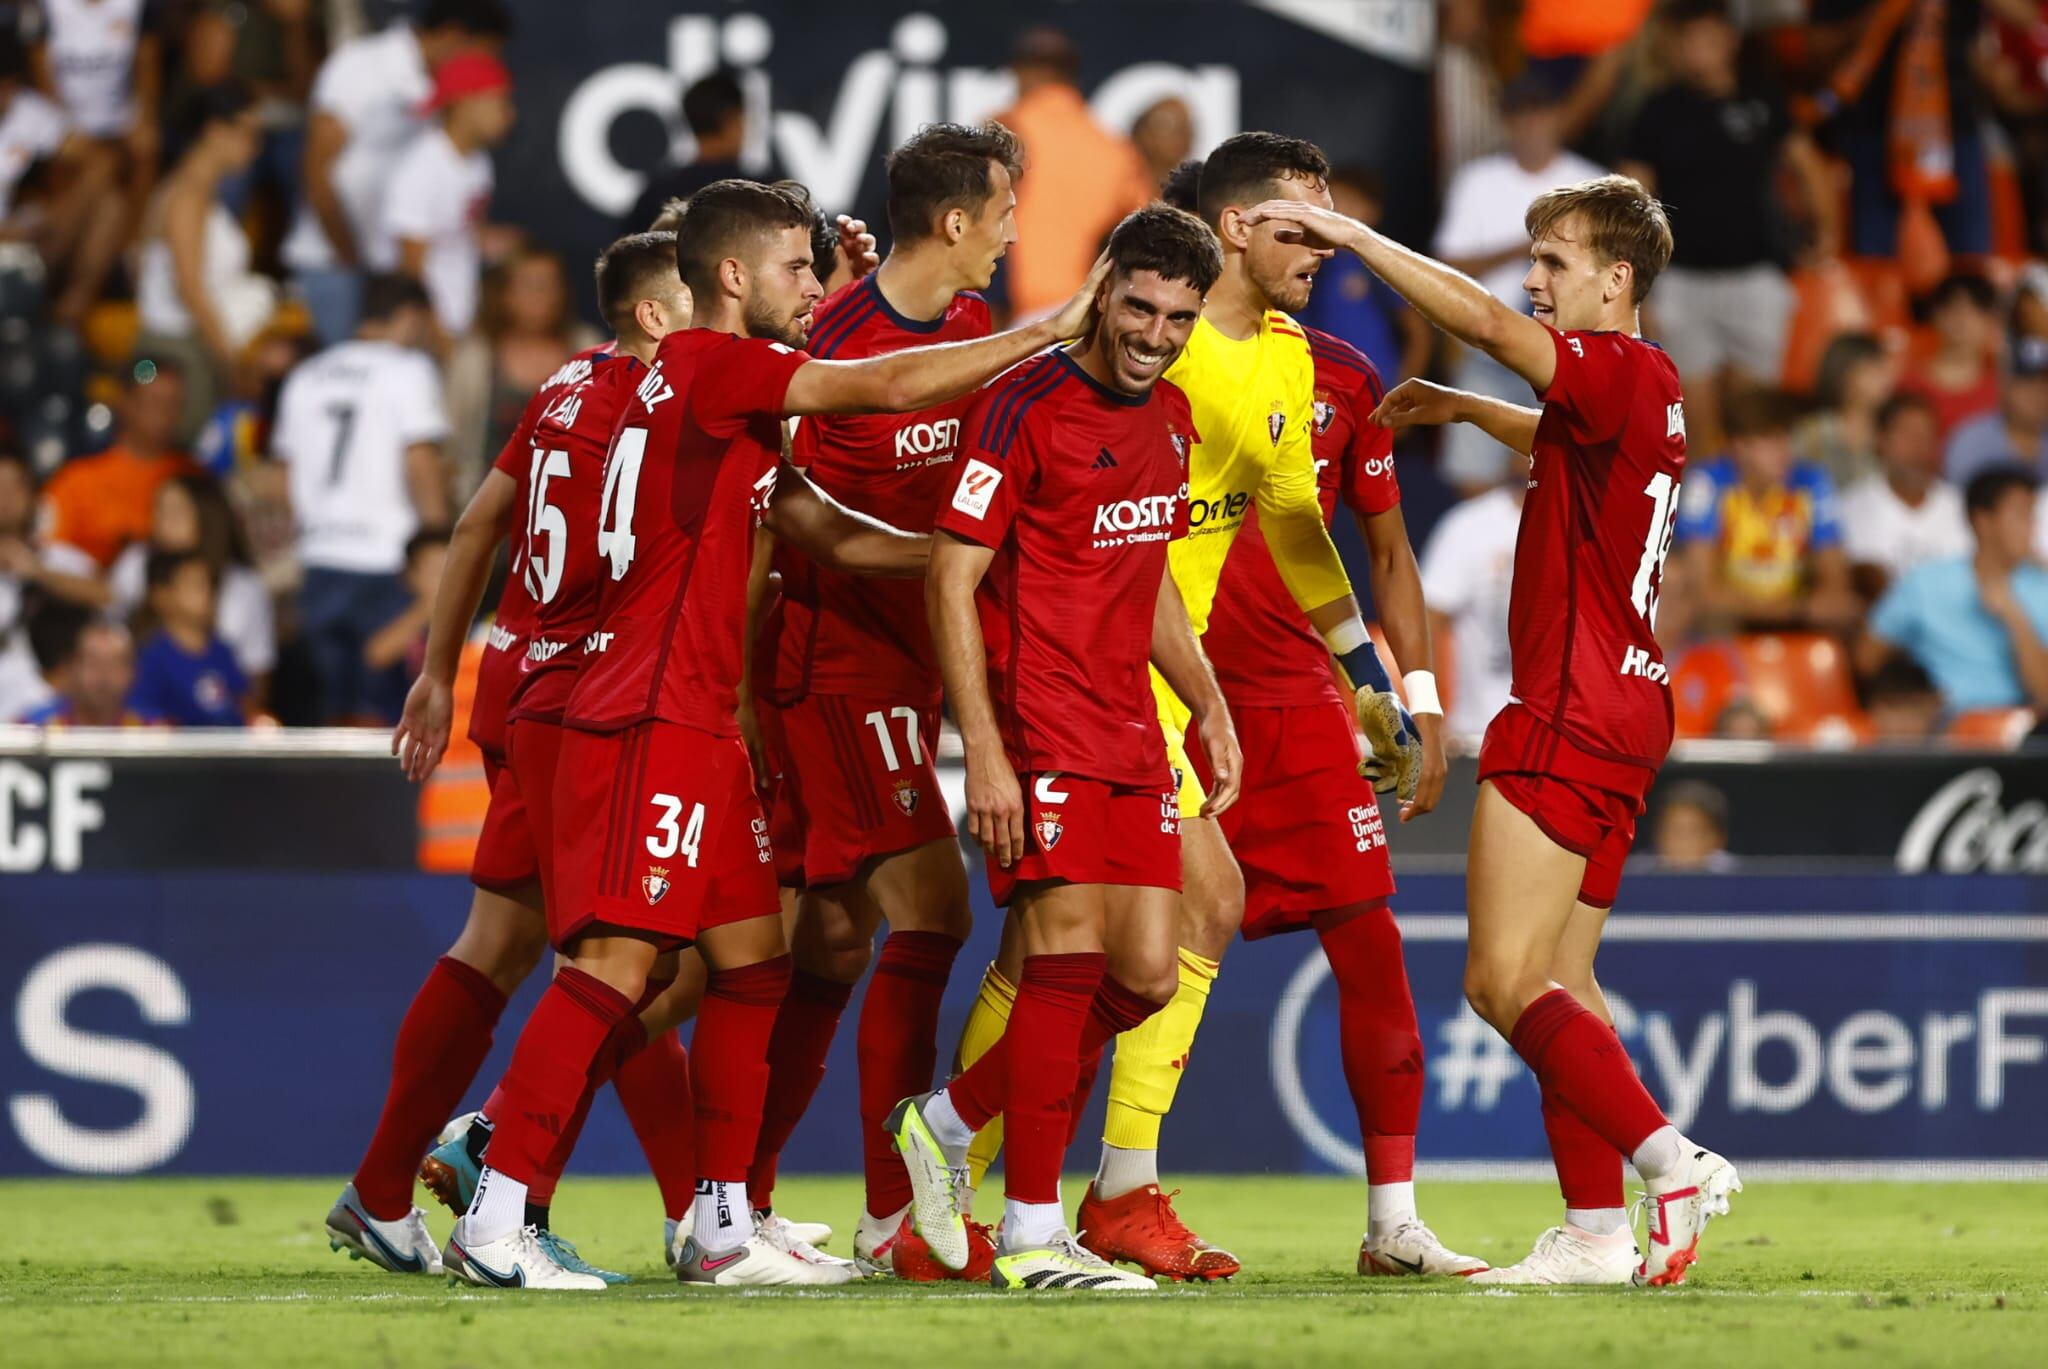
<point>1326,414</point>
<point>1180,445</point>
<point>1049,830</point>
<point>654,883</point>
<point>906,797</point>
<point>1276,424</point>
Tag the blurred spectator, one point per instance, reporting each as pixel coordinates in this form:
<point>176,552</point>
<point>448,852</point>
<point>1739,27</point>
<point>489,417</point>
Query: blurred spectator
<point>401,644</point>
<point>1759,537</point>
<point>272,47</point>
<point>1467,96</point>
<point>1893,521</point>
<point>185,674</point>
<point>1079,179</point>
<point>1713,146</point>
<point>1466,566</point>
<point>92,669</point>
<point>21,682</point>
<point>1856,376</point>
<point>2016,431</point>
<point>1742,721</point>
<point>197,299</point>
<point>715,108</point>
<point>52,177</point>
<point>1481,234</point>
<point>1578,49</point>
<point>1692,827</point>
<point>526,328</point>
<point>102,60</point>
<point>193,518</point>
<point>1902,703</point>
<point>1358,306</point>
<point>359,428</point>
<point>1977,624</point>
<point>441,188</point>
<point>1164,136</point>
<point>99,504</point>
<point>27,566</point>
<point>1961,376</point>
<point>367,106</point>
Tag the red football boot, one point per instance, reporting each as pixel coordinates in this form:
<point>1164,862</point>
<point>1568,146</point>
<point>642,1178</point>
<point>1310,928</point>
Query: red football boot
<point>1141,1228</point>
<point>911,1259</point>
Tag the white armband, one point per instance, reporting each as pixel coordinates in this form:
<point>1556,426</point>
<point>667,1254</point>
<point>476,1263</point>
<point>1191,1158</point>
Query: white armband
<point>1421,689</point>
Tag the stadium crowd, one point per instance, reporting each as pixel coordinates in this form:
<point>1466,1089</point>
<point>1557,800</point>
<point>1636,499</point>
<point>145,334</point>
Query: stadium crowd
<point>197,197</point>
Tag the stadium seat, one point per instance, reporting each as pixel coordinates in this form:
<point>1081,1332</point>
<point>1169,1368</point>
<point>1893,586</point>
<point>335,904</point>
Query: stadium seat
<point>1704,678</point>
<point>1801,681</point>
<point>2000,728</point>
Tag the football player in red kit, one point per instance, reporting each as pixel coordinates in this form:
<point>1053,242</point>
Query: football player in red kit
<point>671,844</point>
<point>846,676</point>
<point>1564,768</point>
<point>1049,592</point>
<point>529,498</point>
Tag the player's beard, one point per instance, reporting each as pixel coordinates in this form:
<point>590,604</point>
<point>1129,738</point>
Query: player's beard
<point>1287,292</point>
<point>763,322</point>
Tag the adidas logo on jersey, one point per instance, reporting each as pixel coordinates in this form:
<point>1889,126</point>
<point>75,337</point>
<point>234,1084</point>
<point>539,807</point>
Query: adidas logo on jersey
<point>1104,461</point>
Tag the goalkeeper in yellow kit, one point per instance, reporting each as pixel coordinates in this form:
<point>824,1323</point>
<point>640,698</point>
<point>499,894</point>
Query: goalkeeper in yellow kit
<point>1249,379</point>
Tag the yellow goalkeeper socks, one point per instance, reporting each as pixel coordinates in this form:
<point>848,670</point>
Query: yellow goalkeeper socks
<point>1151,1059</point>
<point>985,1026</point>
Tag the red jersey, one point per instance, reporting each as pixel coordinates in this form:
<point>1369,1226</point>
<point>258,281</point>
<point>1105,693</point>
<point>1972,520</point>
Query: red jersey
<point>1078,488</point>
<point>688,477</point>
<point>1265,652</point>
<point>497,676</point>
<point>1589,558</point>
<point>561,475</point>
<point>833,633</point>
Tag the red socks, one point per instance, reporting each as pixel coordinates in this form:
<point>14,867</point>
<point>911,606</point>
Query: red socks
<point>1379,1041</point>
<point>654,1087</point>
<point>804,1023</point>
<point>1589,1171</point>
<point>898,1050</point>
<point>1115,1011</point>
<point>550,1070</point>
<point>1579,1060</point>
<point>730,1051</point>
<point>1053,998</point>
<point>441,1044</point>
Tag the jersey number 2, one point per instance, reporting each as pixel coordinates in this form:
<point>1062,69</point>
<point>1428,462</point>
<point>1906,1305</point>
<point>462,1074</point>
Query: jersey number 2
<point>546,526</point>
<point>1663,493</point>
<point>621,489</point>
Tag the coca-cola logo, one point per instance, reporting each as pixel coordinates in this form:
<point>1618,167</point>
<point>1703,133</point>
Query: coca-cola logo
<point>1963,828</point>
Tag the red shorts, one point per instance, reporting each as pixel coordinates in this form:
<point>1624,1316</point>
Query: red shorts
<point>860,781</point>
<point>667,836</point>
<point>1082,831</point>
<point>1584,803</point>
<point>1306,828</point>
<point>507,855</point>
<point>778,796</point>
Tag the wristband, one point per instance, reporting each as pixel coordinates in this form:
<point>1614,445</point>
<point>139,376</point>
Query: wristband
<point>1352,645</point>
<point>1422,695</point>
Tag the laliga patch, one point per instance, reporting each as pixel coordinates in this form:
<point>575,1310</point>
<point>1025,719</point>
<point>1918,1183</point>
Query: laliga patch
<point>1048,830</point>
<point>906,797</point>
<point>655,884</point>
<point>976,489</point>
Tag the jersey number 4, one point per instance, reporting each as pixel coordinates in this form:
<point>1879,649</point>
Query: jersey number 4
<point>547,528</point>
<point>1649,582</point>
<point>621,489</point>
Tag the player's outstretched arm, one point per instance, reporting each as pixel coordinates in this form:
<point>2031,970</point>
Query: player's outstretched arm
<point>840,538</point>
<point>1177,655</point>
<point>1421,404</point>
<point>920,377</point>
<point>421,737</point>
<point>1450,299</point>
<point>1397,590</point>
<point>995,800</point>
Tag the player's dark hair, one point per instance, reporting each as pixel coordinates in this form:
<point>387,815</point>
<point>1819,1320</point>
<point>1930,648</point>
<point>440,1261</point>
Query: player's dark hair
<point>1989,487</point>
<point>1711,803</point>
<point>477,18</point>
<point>671,216</point>
<point>1622,221</point>
<point>719,219</point>
<point>711,101</point>
<point>387,292</point>
<point>1903,402</point>
<point>1759,411</point>
<point>1182,187</point>
<point>1170,241</point>
<point>943,167</point>
<point>630,270</point>
<point>1248,168</point>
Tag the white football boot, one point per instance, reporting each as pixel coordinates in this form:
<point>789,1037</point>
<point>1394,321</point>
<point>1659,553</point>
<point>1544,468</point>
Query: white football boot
<point>757,1264</point>
<point>1411,1250</point>
<point>1691,1196</point>
<point>873,1240</point>
<point>1566,1256</point>
<point>515,1261</point>
<point>1062,1265</point>
<point>403,1246</point>
<point>674,1233</point>
<point>787,1237</point>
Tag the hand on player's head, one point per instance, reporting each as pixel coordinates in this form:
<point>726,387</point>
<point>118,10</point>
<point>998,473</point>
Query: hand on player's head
<point>1284,251</point>
<point>1079,315</point>
<point>857,245</point>
<point>1301,221</point>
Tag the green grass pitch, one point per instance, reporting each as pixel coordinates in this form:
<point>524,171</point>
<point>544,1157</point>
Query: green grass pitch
<point>236,1271</point>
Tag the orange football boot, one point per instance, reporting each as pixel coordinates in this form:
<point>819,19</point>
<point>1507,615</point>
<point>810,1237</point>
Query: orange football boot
<point>910,1258</point>
<point>1141,1228</point>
